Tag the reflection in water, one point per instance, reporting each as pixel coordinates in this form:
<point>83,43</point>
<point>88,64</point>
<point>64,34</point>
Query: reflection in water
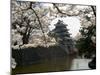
<point>80,64</point>
<point>47,65</point>
<point>55,64</point>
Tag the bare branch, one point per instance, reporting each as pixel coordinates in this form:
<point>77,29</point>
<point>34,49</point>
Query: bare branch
<point>61,11</point>
<point>58,9</point>
<point>39,23</point>
<point>93,10</point>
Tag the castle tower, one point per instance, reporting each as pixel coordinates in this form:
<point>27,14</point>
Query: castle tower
<point>63,37</point>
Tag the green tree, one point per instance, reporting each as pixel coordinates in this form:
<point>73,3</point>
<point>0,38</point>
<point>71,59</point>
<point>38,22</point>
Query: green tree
<point>85,44</point>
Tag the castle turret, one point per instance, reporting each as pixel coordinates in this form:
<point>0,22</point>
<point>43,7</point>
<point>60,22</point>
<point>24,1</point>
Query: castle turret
<point>63,37</point>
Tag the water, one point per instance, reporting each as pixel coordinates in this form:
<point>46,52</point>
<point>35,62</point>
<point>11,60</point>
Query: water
<point>53,65</point>
<point>80,64</point>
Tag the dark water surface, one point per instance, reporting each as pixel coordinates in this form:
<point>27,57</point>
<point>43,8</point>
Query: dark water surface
<point>47,65</point>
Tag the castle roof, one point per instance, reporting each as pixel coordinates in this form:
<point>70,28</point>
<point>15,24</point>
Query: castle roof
<point>60,23</point>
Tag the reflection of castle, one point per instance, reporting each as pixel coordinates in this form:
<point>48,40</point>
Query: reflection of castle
<point>63,37</point>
